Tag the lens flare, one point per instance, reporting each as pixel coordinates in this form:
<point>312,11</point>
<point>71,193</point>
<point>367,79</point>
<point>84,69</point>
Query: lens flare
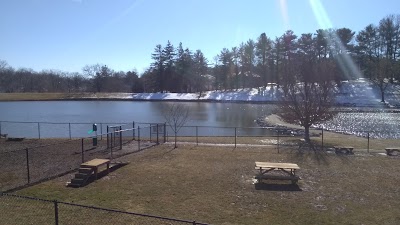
<point>346,63</point>
<point>284,13</point>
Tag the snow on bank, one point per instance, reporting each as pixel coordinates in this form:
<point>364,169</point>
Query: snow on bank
<point>351,93</point>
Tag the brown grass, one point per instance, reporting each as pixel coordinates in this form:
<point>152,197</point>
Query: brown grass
<point>215,185</point>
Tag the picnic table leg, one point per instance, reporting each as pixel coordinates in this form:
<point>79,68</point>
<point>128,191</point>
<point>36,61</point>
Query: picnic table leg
<point>95,173</point>
<point>108,168</point>
<point>259,176</point>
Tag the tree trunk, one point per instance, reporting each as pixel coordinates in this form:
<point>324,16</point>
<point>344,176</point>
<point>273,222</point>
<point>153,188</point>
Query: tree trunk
<point>175,141</point>
<point>176,134</point>
<point>307,134</point>
<point>382,96</point>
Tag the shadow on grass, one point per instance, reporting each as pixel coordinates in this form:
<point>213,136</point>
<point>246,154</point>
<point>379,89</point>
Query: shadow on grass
<point>104,173</point>
<point>277,187</point>
<point>319,156</point>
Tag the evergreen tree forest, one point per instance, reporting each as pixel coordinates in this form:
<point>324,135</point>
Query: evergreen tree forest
<point>334,54</point>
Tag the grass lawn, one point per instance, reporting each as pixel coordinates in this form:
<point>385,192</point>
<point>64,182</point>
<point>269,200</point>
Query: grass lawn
<point>215,185</point>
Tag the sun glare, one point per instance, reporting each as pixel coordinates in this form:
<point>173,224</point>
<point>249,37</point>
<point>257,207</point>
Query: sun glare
<point>284,13</point>
<point>346,63</point>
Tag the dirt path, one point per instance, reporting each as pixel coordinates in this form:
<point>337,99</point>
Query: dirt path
<point>275,120</point>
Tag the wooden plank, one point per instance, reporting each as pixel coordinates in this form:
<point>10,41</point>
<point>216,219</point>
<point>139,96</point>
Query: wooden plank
<point>392,149</point>
<point>277,165</point>
<point>266,168</point>
<point>344,147</point>
<point>95,162</point>
<point>276,177</point>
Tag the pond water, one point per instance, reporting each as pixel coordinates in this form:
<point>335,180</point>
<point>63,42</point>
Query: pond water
<point>378,124</point>
<point>55,116</point>
<point>120,112</point>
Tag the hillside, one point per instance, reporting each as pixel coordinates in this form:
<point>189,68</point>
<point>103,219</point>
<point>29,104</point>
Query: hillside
<point>351,93</point>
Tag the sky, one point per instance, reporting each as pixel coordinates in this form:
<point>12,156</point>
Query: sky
<point>66,35</point>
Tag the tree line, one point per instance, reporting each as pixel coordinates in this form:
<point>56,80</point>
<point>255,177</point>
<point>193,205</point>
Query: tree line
<point>327,54</point>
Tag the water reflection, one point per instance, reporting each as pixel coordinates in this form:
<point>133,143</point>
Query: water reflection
<point>118,112</point>
<point>380,124</point>
<point>377,124</point>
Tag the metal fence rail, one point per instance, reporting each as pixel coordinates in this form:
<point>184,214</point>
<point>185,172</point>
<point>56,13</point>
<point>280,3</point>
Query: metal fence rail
<point>29,210</point>
<point>56,130</point>
<point>34,164</point>
<point>278,136</point>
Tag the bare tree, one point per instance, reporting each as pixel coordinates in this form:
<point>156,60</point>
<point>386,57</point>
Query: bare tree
<point>176,115</point>
<point>310,102</point>
<point>380,80</point>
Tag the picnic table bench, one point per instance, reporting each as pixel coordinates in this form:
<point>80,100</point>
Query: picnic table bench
<point>288,171</point>
<point>95,164</point>
<point>347,150</point>
<point>391,151</point>
<point>86,170</point>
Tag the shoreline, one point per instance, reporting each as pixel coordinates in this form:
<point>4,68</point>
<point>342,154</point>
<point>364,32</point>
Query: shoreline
<point>246,97</point>
<point>142,100</point>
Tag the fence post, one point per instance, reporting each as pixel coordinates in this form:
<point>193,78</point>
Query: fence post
<point>82,153</point>
<point>111,147</point>
<point>112,134</point>
<point>120,137</point>
<point>56,211</point>
<point>113,138</point>
<point>165,132</point>
<point>69,127</point>
<point>235,136</point>
<point>150,132</point>
<point>0,127</point>
<point>368,143</point>
<point>322,148</point>
<point>108,138</point>
<point>27,165</point>
<point>157,135</point>
<point>278,140</point>
<point>197,135</point>
<point>138,132</point>
<point>38,126</point>
<point>133,131</point>
<point>101,131</point>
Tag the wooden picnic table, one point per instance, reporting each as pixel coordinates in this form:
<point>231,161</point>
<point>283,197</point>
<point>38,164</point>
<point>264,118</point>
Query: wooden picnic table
<point>95,164</point>
<point>288,171</point>
<point>391,151</point>
<point>348,150</point>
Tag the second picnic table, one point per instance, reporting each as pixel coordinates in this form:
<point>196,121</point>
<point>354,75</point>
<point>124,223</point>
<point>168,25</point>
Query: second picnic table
<point>288,171</point>
<point>95,164</point>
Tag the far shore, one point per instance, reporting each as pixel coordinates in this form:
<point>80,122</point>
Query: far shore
<point>9,97</point>
<point>212,96</point>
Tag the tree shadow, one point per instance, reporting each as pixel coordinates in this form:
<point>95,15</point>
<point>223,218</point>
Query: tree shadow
<point>343,157</point>
<point>104,173</point>
<point>311,151</point>
<point>277,187</point>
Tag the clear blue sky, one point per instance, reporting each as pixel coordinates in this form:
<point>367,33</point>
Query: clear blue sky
<point>69,34</point>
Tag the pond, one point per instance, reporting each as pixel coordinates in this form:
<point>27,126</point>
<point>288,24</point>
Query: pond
<point>55,116</point>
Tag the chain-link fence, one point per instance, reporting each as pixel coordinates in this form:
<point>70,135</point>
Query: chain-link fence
<point>24,210</point>
<point>280,137</point>
<point>57,130</point>
<point>36,163</point>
